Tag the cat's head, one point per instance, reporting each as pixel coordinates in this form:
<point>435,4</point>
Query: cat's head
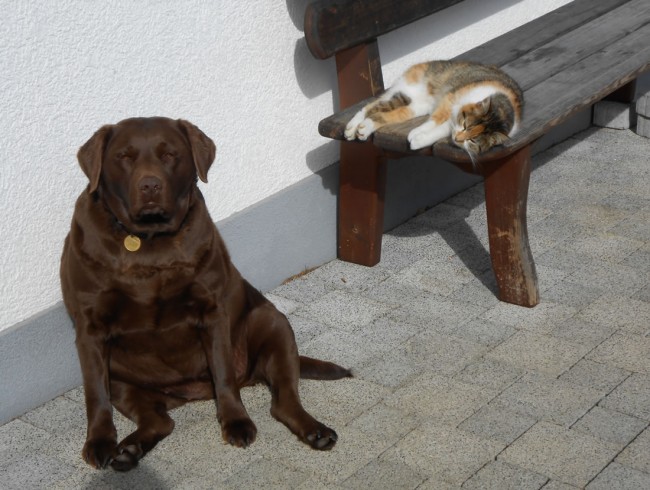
<point>481,126</point>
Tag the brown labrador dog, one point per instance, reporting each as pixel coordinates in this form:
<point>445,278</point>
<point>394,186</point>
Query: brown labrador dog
<point>162,316</point>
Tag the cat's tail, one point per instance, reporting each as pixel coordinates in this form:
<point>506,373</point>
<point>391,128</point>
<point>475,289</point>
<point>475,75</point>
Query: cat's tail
<point>324,370</point>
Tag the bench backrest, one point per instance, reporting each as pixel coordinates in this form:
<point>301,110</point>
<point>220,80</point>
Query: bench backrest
<point>334,25</point>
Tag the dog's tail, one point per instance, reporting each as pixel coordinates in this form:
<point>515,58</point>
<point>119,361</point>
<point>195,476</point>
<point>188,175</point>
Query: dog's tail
<point>316,369</point>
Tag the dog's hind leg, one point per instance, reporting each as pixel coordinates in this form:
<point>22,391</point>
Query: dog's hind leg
<point>278,365</point>
<point>148,410</point>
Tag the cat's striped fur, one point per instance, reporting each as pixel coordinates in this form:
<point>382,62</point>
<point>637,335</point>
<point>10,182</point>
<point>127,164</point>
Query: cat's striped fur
<point>479,106</point>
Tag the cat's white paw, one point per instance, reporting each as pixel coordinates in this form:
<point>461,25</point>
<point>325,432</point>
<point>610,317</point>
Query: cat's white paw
<point>422,136</point>
<point>427,134</point>
<point>365,129</point>
<point>351,128</point>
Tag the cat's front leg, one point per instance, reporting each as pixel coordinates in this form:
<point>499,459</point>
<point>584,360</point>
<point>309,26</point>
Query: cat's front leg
<point>428,133</point>
<point>353,126</point>
<point>360,127</point>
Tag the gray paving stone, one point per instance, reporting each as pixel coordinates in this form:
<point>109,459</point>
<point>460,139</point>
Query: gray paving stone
<point>445,452</point>
<point>544,318</point>
<point>304,289</point>
<point>601,377</point>
<point>346,349</point>
<point>541,353</point>
<point>437,399</point>
<point>442,354</point>
<point>391,369</point>
<point>636,226</point>
<point>340,401</point>
<point>547,398</point>
<point>344,310</point>
<point>618,477</point>
<point>392,423</point>
<point>286,306</point>
<point>384,475</point>
<point>435,309</point>
<point>637,454</point>
<point>556,485</point>
<point>610,426</point>
<point>441,278</point>
<point>497,423</point>
<point>482,332</point>
<point>565,258</point>
<point>614,278</point>
<point>33,471</point>
<point>306,329</point>
<point>347,276</point>
<point>620,312</point>
<point>482,292</point>
<point>501,476</point>
<point>639,259</point>
<point>571,294</point>
<point>642,294</point>
<point>624,351</point>
<point>632,397</point>
<point>274,474</point>
<point>17,437</point>
<point>544,449</point>
<point>490,373</point>
<point>353,451</point>
<point>585,333</point>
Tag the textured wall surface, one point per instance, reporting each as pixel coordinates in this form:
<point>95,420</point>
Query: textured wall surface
<point>239,70</point>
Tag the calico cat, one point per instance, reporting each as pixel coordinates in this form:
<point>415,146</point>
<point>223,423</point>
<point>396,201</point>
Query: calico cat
<point>479,106</point>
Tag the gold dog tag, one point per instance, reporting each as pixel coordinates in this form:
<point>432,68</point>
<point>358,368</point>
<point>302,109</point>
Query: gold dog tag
<point>132,243</point>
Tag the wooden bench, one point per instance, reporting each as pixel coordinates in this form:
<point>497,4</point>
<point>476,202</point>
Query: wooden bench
<point>564,61</point>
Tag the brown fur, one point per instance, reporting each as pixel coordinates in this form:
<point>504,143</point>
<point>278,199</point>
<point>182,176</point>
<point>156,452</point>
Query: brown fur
<point>173,321</point>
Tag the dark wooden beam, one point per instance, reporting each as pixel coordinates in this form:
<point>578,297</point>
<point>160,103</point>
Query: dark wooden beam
<point>335,25</point>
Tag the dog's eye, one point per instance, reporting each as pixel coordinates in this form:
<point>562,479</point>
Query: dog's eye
<point>168,156</point>
<point>124,157</point>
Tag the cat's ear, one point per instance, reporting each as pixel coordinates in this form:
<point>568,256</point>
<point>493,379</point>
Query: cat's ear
<point>498,139</point>
<point>484,105</point>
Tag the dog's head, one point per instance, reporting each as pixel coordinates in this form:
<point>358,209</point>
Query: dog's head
<point>145,170</point>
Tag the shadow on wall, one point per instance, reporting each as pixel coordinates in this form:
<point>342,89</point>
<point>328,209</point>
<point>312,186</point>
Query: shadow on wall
<point>315,77</point>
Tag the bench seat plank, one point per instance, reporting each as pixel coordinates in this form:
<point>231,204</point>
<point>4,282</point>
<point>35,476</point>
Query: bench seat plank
<point>525,38</point>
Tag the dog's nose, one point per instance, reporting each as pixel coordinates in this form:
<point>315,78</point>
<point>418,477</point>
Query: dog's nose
<point>150,186</point>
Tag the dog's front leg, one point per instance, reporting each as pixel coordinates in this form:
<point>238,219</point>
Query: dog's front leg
<point>236,426</point>
<point>101,439</point>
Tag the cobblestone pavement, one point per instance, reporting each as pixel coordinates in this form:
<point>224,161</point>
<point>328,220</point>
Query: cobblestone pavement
<point>452,388</point>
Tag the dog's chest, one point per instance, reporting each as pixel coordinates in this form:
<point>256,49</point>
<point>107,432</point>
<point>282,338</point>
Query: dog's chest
<point>155,307</point>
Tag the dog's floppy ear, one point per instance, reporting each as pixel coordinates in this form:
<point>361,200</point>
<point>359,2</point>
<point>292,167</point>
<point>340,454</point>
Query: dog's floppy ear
<point>90,155</point>
<point>203,148</point>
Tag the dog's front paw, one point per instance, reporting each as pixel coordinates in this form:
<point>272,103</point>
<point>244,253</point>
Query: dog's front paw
<point>321,437</point>
<point>99,453</point>
<point>239,433</point>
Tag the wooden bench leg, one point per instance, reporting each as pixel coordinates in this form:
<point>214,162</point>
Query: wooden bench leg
<point>362,178</point>
<point>362,186</point>
<point>506,195</point>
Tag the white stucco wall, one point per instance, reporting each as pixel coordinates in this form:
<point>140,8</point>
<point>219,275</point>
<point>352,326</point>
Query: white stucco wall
<point>239,70</point>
